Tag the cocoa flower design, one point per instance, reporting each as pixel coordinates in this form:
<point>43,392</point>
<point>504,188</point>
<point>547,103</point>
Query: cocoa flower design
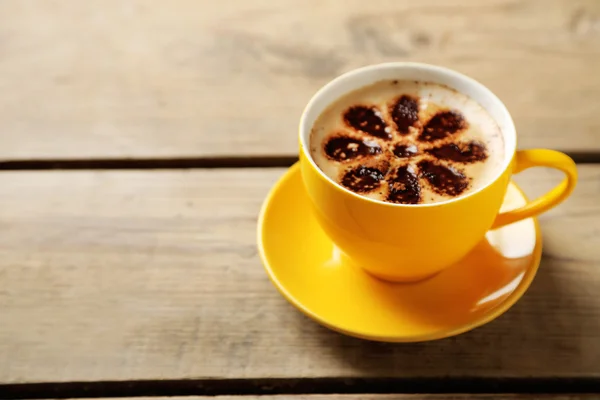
<point>394,147</point>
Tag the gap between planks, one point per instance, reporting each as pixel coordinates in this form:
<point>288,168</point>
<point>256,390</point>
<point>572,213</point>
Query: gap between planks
<point>150,163</point>
<point>188,162</point>
<point>428,396</point>
<point>301,386</point>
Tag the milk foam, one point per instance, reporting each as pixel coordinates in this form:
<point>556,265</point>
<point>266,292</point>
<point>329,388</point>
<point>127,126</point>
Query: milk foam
<point>416,151</point>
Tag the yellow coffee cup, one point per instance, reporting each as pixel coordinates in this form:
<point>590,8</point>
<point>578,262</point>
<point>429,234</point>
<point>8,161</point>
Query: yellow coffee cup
<point>401,242</point>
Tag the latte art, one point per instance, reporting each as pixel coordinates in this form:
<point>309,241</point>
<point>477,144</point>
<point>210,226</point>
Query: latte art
<point>407,142</point>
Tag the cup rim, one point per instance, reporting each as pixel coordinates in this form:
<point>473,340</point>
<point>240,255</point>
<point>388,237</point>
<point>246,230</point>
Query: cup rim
<point>509,129</point>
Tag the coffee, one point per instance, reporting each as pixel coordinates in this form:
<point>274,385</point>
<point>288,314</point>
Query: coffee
<point>407,142</point>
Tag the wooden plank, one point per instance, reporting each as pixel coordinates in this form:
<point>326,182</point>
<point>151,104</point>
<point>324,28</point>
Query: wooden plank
<point>138,78</point>
<point>136,275</point>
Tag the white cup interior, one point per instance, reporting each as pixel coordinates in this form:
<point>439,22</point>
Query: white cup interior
<point>365,76</point>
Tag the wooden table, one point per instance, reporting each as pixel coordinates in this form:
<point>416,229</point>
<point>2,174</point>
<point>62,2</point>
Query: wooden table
<point>139,138</point>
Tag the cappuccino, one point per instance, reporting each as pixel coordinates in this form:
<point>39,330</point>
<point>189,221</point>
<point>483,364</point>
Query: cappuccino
<point>407,142</point>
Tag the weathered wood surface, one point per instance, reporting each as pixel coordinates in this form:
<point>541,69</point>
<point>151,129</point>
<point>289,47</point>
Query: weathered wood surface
<point>155,275</point>
<point>138,78</point>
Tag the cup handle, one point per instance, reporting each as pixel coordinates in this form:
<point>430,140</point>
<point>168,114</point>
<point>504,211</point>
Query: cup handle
<point>525,159</point>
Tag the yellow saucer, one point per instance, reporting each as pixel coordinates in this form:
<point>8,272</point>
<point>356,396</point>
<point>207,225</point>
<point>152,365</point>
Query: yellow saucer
<point>316,278</point>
